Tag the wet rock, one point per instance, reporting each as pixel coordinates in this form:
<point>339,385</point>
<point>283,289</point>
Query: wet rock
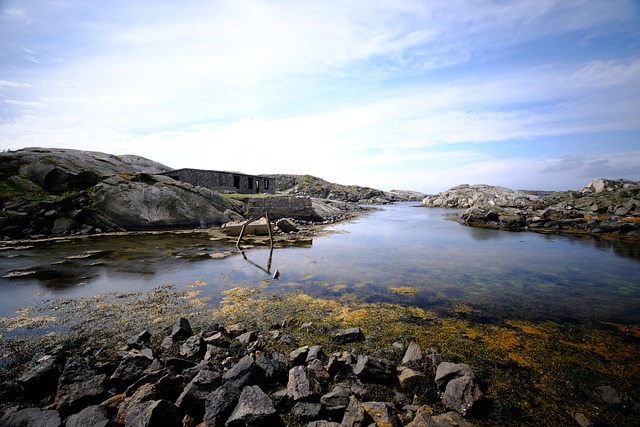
<point>302,384</point>
<point>79,386</point>
<point>306,411</point>
<point>375,370</point>
<point>219,404</point>
<point>155,413</point>
<point>139,341</point>
<point>254,408</point>
<point>383,414</point>
<point>349,335</point>
<point>31,417</point>
<point>459,385</point>
<point>95,416</point>
<point>413,353</point>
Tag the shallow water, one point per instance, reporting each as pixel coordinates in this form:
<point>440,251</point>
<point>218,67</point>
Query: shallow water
<point>503,274</point>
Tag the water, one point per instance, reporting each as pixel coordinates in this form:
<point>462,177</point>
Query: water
<point>504,274</point>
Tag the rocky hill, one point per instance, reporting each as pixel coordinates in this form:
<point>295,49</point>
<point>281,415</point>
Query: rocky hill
<point>603,206</point>
<point>311,186</point>
<point>62,191</point>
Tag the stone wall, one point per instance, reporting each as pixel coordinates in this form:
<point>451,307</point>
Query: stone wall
<point>225,182</point>
<point>282,207</point>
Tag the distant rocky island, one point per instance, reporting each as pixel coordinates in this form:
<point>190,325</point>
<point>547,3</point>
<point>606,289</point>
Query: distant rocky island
<point>604,207</point>
<point>51,191</point>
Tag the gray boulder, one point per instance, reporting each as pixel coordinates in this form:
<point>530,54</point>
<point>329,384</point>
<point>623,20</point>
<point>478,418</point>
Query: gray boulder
<point>155,413</point>
<point>31,417</point>
<point>142,202</point>
<point>79,386</point>
<point>254,408</point>
<point>302,384</point>
<point>460,389</point>
<point>95,416</point>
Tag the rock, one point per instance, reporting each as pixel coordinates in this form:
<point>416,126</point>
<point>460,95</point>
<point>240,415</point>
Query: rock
<point>155,413</point>
<point>254,408</point>
<point>218,339</point>
<point>41,380</point>
<point>273,365</point>
<point>65,225</point>
<point>413,353</point>
<point>131,368</point>
<point>243,373</point>
<point>323,423</point>
<point>79,386</point>
<point>167,387</point>
<point>337,399</point>
<point>95,416</point>
<point>235,330</point>
<point>139,340</point>
<point>286,225</point>
<point>411,380</point>
<point>347,336</point>
<point>31,417</point>
<point>383,414</point>
<point>193,347</point>
<point>246,338</point>
<point>302,384</point>
<point>299,356</point>
<point>315,353</point>
<point>178,365</point>
<point>147,202</point>
<point>461,389</point>
<point>179,331</point>
<point>355,415</point>
<point>375,370</point>
<point>219,404</point>
<point>450,419</point>
<point>193,397</point>
<point>306,411</point>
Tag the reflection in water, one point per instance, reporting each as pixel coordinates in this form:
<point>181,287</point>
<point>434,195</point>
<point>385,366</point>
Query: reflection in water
<point>521,274</point>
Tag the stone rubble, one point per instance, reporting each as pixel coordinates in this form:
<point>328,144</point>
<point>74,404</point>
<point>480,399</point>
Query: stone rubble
<point>224,379</point>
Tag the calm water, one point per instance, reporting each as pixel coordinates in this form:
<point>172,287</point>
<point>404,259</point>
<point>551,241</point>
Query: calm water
<point>505,274</point>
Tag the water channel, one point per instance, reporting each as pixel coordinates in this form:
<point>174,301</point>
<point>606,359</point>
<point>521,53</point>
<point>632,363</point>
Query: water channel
<point>505,274</point>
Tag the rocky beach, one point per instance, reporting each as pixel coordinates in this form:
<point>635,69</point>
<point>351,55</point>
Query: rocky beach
<point>165,358</point>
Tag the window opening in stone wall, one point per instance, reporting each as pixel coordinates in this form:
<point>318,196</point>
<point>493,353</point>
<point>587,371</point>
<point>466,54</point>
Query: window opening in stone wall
<point>236,181</point>
<point>266,184</point>
<point>257,185</point>
<point>250,183</point>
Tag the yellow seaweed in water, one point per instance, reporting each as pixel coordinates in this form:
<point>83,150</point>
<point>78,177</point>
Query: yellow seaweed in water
<point>405,290</point>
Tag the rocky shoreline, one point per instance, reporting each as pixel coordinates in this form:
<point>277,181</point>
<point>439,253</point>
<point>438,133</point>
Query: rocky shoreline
<point>603,208</point>
<point>224,375</point>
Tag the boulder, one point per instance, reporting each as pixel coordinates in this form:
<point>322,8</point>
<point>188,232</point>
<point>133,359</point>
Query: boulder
<point>31,417</point>
<point>79,386</point>
<point>460,389</point>
<point>41,380</point>
<point>194,395</point>
<point>413,353</point>
<point>348,335</point>
<point>155,413</point>
<point>375,370</point>
<point>178,331</point>
<point>147,202</point>
<point>286,225</point>
<point>65,225</point>
<point>302,384</point>
<point>383,414</point>
<point>132,367</point>
<point>219,404</point>
<point>306,411</point>
<point>95,416</point>
<point>254,408</point>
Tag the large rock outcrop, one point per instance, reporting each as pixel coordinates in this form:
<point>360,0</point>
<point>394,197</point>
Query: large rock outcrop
<point>47,192</point>
<point>603,206</point>
<point>143,201</point>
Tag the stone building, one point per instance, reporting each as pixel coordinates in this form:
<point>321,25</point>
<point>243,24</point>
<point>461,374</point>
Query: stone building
<point>225,182</point>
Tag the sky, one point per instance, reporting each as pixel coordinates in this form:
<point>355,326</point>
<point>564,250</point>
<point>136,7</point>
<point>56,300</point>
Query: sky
<point>391,94</point>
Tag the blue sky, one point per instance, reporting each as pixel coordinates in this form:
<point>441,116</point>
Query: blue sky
<point>422,95</point>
